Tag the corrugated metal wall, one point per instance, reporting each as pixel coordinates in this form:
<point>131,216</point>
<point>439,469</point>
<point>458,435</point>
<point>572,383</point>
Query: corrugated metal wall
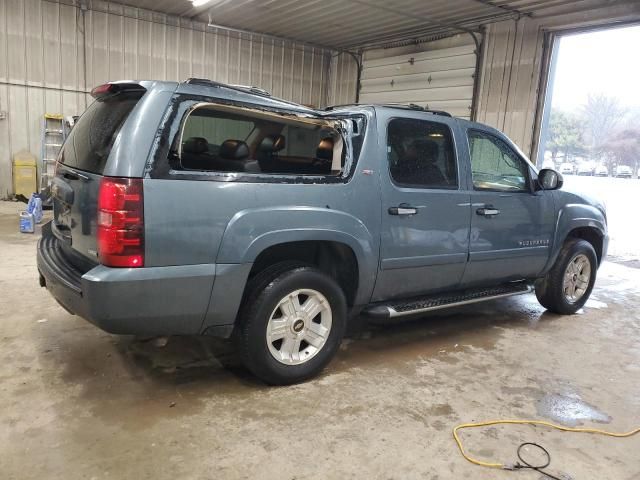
<point>509,79</point>
<point>44,44</point>
<point>343,79</point>
<point>512,67</point>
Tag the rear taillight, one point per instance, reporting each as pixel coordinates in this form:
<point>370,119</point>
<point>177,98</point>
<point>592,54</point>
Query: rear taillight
<point>121,222</point>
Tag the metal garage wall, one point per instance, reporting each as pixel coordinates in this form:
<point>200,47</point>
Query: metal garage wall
<point>509,79</point>
<point>343,79</point>
<point>514,70</point>
<point>438,75</point>
<point>44,44</point>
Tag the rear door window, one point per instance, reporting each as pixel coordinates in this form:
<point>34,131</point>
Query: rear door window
<point>91,139</point>
<point>421,154</point>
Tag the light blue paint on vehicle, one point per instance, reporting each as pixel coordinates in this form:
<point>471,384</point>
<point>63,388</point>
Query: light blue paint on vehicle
<point>397,211</point>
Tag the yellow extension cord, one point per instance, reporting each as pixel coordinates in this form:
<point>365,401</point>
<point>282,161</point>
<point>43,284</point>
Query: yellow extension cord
<point>526,422</point>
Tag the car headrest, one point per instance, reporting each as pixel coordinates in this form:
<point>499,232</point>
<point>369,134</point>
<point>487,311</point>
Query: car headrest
<point>195,145</point>
<point>325,149</point>
<point>427,150</point>
<point>272,143</point>
<point>234,150</point>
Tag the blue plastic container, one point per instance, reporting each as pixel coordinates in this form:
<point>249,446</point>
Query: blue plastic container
<point>35,207</point>
<point>27,222</point>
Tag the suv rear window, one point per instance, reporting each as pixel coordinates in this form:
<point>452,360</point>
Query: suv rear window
<point>90,141</point>
<point>229,139</point>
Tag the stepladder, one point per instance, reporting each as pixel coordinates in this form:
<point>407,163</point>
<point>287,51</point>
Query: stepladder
<point>54,132</point>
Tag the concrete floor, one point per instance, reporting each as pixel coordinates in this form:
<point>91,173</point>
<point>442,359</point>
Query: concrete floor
<point>77,403</point>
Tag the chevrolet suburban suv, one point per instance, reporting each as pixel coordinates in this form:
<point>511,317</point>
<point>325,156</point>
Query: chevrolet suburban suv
<point>200,208</point>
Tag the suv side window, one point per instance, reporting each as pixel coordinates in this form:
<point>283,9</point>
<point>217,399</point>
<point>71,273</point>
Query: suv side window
<point>421,154</point>
<point>494,165</point>
<point>215,129</point>
<point>225,139</point>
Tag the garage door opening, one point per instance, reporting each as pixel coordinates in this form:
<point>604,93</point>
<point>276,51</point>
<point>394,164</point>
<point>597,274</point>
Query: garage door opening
<point>590,129</point>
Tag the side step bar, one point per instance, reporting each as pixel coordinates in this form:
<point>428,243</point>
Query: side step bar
<point>412,306</point>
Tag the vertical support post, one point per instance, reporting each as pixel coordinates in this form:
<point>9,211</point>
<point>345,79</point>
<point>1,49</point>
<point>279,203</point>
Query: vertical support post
<point>543,114</point>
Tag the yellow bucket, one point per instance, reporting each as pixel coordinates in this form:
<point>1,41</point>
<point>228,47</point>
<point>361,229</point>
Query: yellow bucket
<point>24,173</point>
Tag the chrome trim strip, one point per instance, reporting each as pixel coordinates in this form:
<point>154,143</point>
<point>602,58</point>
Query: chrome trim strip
<point>394,313</point>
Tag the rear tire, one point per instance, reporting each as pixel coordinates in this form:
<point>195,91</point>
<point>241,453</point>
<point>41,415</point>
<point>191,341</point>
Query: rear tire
<point>567,286</point>
<point>291,323</point>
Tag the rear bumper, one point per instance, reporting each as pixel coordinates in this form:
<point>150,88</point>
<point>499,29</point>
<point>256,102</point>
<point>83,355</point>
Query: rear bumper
<point>139,301</point>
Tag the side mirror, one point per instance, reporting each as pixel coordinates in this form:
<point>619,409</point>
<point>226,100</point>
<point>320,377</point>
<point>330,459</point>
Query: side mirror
<point>549,179</point>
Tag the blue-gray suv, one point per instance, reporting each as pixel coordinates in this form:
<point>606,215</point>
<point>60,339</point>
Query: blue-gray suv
<point>211,209</point>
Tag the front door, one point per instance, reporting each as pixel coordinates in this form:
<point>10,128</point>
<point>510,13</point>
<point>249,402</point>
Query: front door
<point>425,212</point>
<point>512,223</point>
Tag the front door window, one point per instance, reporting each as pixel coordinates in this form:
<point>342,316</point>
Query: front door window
<point>495,166</point>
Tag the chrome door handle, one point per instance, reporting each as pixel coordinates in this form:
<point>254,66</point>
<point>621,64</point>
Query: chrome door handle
<point>403,209</point>
<point>488,211</point>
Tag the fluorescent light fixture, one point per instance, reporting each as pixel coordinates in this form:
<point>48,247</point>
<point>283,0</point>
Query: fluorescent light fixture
<point>199,3</point>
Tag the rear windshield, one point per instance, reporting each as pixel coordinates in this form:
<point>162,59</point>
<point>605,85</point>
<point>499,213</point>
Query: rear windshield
<point>91,139</point>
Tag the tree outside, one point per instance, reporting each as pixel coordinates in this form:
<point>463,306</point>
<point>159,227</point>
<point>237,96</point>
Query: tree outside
<point>599,132</point>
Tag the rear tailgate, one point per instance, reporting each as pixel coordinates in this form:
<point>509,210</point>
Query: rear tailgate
<point>81,166</point>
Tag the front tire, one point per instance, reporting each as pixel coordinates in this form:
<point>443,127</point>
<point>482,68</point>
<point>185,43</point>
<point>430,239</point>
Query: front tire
<point>291,323</point>
<point>567,286</point>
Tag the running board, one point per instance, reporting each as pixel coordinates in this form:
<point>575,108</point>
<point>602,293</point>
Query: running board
<point>412,306</point>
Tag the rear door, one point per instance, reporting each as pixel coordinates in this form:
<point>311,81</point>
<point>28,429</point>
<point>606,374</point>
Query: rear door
<point>425,207</point>
<point>82,162</point>
<point>511,223</point>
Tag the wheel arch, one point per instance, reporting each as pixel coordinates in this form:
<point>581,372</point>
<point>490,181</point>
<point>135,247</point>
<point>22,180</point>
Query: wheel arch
<point>592,235</point>
<point>583,222</point>
<point>335,258</point>
<point>255,238</point>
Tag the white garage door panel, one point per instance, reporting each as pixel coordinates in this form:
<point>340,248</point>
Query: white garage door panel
<point>422,56</point>
<point>421,95</point>
<point>439,79</point>
<point>404,67</point>
<point>452,78</point>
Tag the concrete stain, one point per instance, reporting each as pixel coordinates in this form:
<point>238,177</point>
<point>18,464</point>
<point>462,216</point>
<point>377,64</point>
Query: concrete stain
<point>569,410</point>
<point>440,410</point>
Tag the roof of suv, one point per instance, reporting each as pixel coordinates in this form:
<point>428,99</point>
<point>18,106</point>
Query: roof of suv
<point>258,96</point>
<point>240,93</point>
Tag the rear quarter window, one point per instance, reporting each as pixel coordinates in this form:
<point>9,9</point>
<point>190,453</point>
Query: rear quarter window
<point>91,139</point>
<point>226,139</point>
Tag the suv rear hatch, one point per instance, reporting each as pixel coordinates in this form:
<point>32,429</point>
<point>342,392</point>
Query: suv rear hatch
<point>79,188</point>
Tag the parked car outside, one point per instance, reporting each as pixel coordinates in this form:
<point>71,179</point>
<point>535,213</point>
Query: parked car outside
<point>585,169</point>
<point>601,171</point>
<point>566,169</point>
<point>199,208</point>
<point>624,171</point>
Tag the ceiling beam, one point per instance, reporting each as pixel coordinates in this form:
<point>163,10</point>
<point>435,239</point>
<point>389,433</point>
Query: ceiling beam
<point>425,19</point>
<point>505,8</point>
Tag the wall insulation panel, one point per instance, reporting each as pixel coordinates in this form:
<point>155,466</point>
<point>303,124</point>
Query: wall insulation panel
<point>44,46</point>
